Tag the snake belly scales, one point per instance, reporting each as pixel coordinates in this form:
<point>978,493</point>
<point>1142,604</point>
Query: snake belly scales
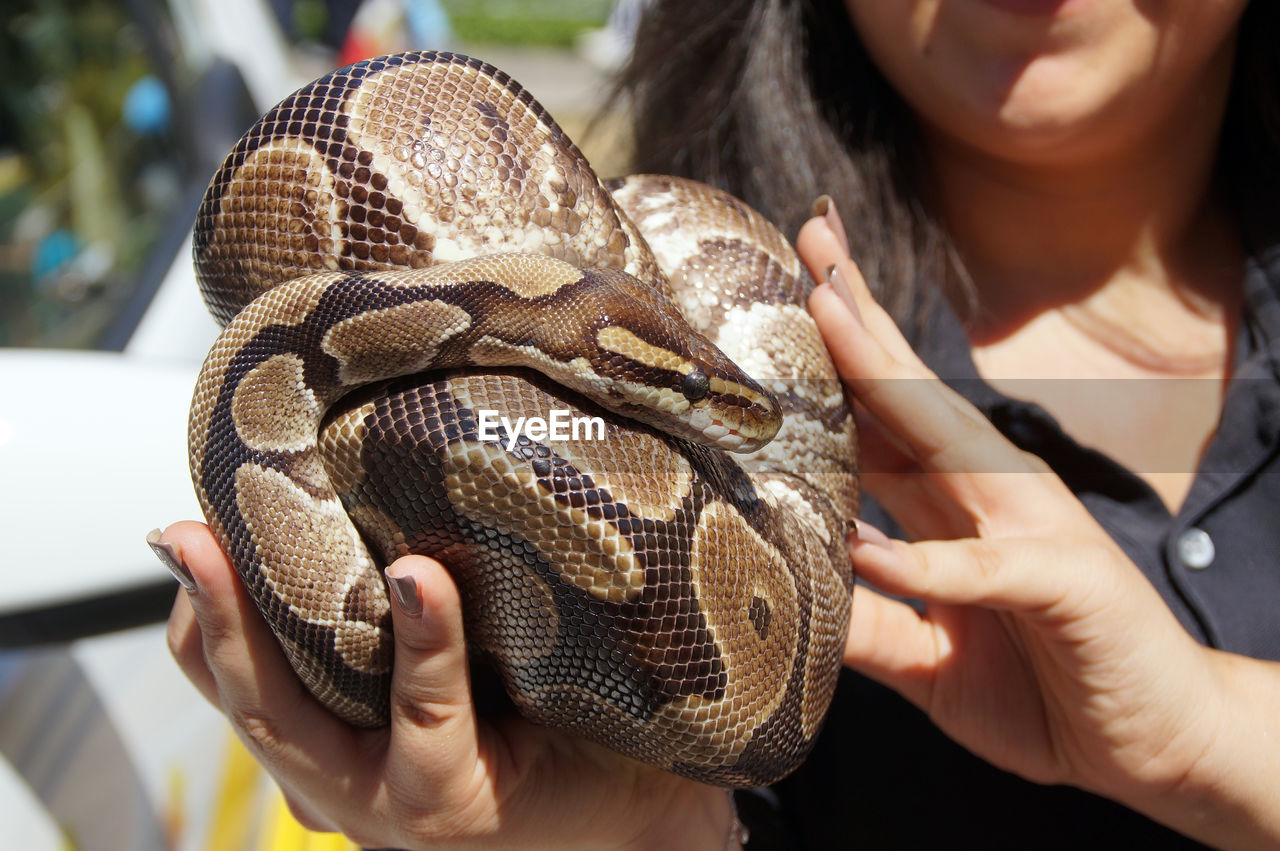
<point>650,591</point>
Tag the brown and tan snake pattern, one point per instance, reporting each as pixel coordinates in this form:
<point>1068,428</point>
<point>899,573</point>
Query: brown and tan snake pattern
<point>421,213</point>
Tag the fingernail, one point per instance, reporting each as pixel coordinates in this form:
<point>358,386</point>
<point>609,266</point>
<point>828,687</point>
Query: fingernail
<point>826,208</point>
<point>864,533</point>
<point>405,591</point>
<point>836,278</point>
<point>171,557</point>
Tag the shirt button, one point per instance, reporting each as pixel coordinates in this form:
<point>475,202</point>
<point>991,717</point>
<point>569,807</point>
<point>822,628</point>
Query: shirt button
<point>1195,548</point>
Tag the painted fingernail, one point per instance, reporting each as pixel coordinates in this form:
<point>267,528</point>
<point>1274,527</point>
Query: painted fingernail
<point>864,533</point>
<point>836,278</point>
<point>405,591</point>
<point>171,557</point>
<point>826,208</point>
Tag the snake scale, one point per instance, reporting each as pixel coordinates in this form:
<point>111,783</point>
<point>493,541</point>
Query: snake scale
<point>411,242</point>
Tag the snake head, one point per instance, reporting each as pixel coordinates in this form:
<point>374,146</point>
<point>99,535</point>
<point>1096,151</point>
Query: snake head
<point>657,369</point>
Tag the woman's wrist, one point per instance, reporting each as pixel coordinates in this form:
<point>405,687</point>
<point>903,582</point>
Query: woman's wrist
<point>1229,795</point>
<point>1238,780</point>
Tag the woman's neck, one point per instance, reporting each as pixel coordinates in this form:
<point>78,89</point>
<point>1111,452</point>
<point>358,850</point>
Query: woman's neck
<point>1131,245</point>
<point>1125,266</point>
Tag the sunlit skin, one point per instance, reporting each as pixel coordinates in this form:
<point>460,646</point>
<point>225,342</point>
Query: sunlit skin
<point>1071,144</point>
<point>1093,81</point>
<point>1073,155</point>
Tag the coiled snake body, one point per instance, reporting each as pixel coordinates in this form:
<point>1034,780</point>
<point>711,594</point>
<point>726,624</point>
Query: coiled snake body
<point>648,590</point>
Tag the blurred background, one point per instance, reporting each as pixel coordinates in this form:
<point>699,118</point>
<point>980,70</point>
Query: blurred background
<point>114,114</point>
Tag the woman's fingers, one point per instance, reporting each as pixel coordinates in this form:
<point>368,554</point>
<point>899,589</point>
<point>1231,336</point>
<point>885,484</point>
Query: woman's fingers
<point>1023,575</point>
<point>925,426</point>
<point>935,425</point>
<point>826,256</point>
<point>418,776</point>
<point>892,644</point>
<point>183,632</point>
<point>967,460</point>
<point>937,464</point>
<point>297,739</point>
<point>430,683</point>
<point>433,722</point>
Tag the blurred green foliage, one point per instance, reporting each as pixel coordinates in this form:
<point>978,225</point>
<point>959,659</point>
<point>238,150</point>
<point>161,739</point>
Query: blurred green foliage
<point>553,23</point>
<point>82,196</point>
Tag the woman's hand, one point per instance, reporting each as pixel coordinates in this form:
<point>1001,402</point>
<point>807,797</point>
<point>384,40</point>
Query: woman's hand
<point>1042,648</point>
<point>437,776</point>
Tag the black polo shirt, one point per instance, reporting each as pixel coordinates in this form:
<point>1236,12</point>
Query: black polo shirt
<point>883,776</point>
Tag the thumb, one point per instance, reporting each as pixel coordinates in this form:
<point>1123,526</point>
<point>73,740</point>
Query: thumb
<point>431,703</point>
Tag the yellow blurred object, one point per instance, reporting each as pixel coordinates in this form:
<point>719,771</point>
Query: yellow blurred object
<point>238,800</point>
<point>97,216</point>
<point>283,833</point>
<point>13,172</point>
<point>251,813</point>
<point>174,814</point>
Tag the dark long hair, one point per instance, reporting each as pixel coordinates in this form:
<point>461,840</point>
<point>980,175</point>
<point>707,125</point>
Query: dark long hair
<point>777,102</point>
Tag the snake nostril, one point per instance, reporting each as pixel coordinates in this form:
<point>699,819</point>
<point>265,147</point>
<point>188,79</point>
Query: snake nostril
<point>695,386</point>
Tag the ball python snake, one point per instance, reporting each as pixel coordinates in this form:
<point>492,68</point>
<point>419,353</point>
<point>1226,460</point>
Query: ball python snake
<point>411,242</point>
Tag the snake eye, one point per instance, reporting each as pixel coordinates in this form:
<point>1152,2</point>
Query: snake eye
<point>695,386</point>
